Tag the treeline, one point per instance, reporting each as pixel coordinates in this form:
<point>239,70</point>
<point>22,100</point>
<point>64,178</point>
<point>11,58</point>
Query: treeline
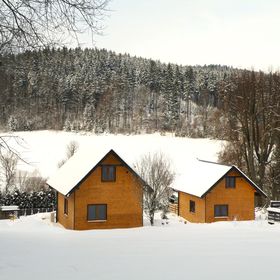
<point>101,91</point>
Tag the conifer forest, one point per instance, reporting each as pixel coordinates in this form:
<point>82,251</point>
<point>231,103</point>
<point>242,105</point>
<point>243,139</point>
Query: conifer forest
<point>99,91</point>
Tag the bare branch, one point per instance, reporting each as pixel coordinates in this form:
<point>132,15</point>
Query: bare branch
<point>8,165</point>
<point>39,23</point>
<point>4,145</point>
<point>71,149</point>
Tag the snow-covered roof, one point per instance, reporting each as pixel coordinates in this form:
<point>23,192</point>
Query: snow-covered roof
<point>202,175</point>
<point>70,174</point>
<point>273,209</point>
<point>9,208</point>
<point>192,176</point>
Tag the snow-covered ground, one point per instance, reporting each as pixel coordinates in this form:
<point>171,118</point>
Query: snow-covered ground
<point>44,149</point>
<point>33,248</point>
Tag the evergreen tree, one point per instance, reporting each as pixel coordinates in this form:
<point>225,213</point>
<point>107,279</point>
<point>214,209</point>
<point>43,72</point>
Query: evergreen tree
<point>54,89</point>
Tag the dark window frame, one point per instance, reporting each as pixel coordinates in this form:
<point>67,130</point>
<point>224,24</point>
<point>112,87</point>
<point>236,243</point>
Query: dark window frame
<point>97,212</point>
<point>65,211</point>
<point>218,213</point>
<point>106,173</point>
<point>230,182</point>
<point>192,206</point>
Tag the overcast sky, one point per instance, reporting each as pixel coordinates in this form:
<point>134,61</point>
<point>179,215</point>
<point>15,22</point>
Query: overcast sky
<point>241,33</point>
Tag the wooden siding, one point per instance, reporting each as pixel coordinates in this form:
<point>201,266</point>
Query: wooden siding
<point>240,200</point>
<point>123,198</point>
<point>173,208</point>
<point>184,208</point>
<point>66,220</point>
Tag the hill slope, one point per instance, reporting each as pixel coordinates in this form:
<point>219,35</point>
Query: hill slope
<point>44,149</point>
<point>99,90</point>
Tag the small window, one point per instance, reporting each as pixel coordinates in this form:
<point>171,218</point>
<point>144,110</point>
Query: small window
<point>108,173</point>
<point>97,212</point>
<point>230,182</point>
<point>65,206</point>
<point>192,206</point>
<point>221,210</point>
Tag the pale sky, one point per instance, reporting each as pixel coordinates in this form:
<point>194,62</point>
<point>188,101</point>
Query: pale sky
<point>240,33</point>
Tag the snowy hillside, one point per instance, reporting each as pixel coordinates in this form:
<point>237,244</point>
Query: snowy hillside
<point>44,149</point>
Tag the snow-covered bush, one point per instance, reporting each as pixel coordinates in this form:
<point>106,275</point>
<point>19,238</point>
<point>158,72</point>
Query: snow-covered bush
<point>25,200</point>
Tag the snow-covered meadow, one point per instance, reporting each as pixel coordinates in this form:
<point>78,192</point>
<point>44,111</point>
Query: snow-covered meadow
<point>44,149</point>
<point>34,248</point>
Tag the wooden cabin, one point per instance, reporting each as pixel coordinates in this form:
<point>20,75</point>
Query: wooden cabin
<point>213,192</point>
<point>97,191</point>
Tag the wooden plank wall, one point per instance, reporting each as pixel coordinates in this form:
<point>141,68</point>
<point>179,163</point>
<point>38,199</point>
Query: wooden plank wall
<point>123,198</point>
<point>173,208</point>
<point>184,208</point>
<point>66,220</point>
<point>240,200</point>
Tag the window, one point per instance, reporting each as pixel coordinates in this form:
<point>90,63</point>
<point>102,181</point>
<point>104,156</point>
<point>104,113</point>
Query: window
<point>65,206</point>
<point>97,212</point>
<point>192,206</point>
<point>108,173</point>
<point>230,182</point>
<point>221,211</point>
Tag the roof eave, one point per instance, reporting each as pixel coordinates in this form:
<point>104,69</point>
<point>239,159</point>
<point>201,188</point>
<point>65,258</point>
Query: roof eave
<point>257,188</point>
<point>177,190</point>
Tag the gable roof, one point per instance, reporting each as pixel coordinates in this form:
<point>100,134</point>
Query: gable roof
<point>204,175</point>
<point>9,208</point>
<point>197,178</point>
<point>75,170</point>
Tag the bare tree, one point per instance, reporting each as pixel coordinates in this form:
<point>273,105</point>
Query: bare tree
<point>39,23</point>
<point>71,149</point>
<point>155,170</point>
<point>29,182</point>
<point>250,106</point>
<point>22,177</point>
<point>8,162</point>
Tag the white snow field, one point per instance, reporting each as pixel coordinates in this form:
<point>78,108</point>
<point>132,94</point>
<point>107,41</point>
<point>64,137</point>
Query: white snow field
<point>44,149</point>
<point>33,248</point>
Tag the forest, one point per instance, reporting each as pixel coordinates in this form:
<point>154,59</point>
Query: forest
<point>99,91</point>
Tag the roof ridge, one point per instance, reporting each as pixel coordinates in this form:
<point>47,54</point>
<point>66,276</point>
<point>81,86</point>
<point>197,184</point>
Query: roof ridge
<point>207,161</point>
